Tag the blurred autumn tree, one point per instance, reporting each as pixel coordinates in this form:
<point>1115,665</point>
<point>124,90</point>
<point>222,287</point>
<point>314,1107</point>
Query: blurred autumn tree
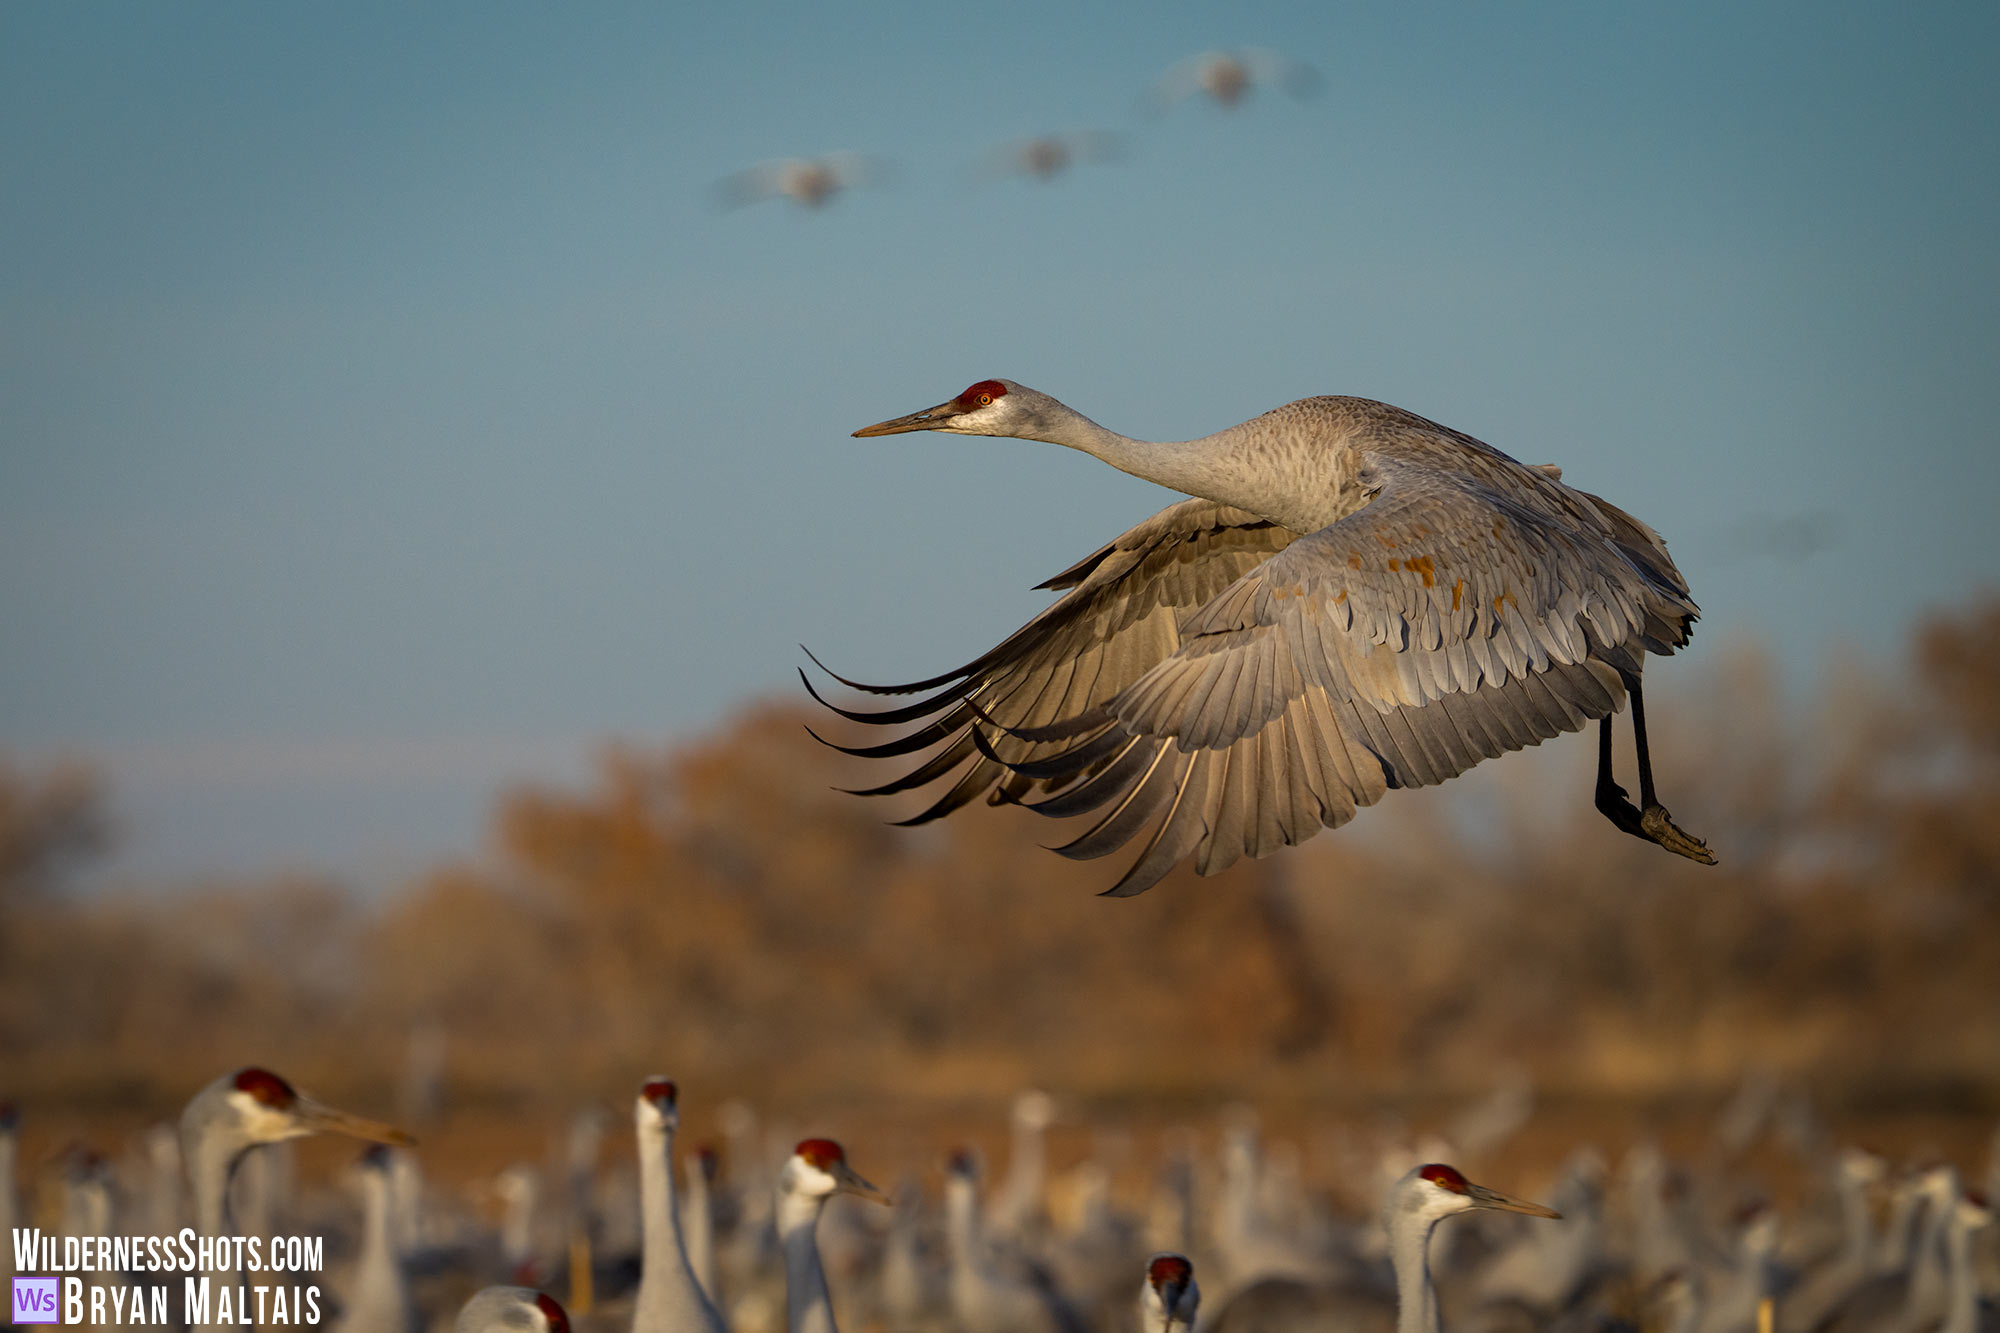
<point>45,825</point>
<point>722,911</point>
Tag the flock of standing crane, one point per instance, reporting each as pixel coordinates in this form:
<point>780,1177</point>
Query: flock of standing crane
<point>1224,77</point>
<point>1232,1242</point>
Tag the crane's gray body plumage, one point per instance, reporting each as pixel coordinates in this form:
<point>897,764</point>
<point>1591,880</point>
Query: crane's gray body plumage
<point>1362,599</point>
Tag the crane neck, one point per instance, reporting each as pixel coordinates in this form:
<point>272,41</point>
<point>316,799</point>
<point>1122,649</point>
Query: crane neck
<point>808,1306</point>
<point>697,1217</point>
<point>211,1165</point>
<point>1264,465</point>
<point>1928,1272</point>
<point>378,1230</point>
<point>1962,1299</point>
<point>669,1294</point>
<point>1857,1219</point>
<point>962,1221</point>
<point>1410,1251</point>
<point>1021,1196</point>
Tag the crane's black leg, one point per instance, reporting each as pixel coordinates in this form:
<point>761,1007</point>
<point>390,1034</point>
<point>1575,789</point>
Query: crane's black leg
<point>1652,823</point>
<point>1612,802</point>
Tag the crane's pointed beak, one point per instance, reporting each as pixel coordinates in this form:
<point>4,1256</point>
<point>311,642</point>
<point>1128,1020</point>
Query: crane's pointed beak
<point>850,1183</point>
<point>928,419</point>
<point>1486,1198</point>
<point>321,1118</point>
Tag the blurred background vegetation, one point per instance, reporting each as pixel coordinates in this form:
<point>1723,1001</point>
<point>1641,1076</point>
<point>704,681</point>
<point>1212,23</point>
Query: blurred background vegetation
<point>720,911</point>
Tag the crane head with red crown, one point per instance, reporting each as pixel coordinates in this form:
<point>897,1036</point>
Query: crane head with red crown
<point>658,1107</point>
<point>1437,1190</point>
<point>251,1106</point>
<point>988,407</point>
<point>1170,1298</point>
<point>818,1170</point>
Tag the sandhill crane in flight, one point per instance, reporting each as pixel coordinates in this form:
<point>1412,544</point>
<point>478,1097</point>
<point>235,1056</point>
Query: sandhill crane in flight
<point>1226,77</point>
<point>1049,155</point>
<point>1358,599</point>
<point>806,181</point>
<point>511,1310</point>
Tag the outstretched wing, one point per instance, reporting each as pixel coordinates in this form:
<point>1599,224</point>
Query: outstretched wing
<point>1443,623</point>
<point>1122,615</point>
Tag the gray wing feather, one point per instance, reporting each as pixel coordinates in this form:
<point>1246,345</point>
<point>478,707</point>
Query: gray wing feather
<point>1237,687</point>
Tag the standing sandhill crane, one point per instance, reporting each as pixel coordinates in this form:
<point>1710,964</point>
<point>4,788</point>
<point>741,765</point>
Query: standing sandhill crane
<point>1360,599</point>
<point>511,1310</point>
<point>1170,1298</point>
<point>1226,77</point>
<point>1909,1289</point>
<point>671,1299</point>
<point>1422,1199</point>
<point>378,1298</point>
<point>86,1210</point>
<point>1821,1289</point>
<point>1018,1210</point>
<point>10,1121</point>
<point>245,1110</point>
<point>697,1210</point>
<point>816,1171</point>
<point>1967,1310</point>
<point>1735,1289</point>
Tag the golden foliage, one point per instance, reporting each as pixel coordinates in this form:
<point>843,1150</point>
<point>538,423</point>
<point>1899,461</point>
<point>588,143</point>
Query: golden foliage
<point>722,911</point>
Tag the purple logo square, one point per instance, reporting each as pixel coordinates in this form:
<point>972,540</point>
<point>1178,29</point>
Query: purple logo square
<point>35,1301</point>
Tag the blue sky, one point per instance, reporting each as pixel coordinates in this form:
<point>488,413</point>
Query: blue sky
<point>390,412</point>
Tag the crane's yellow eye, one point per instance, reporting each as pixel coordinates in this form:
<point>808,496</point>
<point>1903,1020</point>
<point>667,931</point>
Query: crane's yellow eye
<point>985,399</point>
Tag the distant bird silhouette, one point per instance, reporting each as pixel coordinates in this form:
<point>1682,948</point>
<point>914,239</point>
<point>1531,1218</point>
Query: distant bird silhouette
<point>1049,155</point>
<point>1226,77</point>
<point>807,181</point>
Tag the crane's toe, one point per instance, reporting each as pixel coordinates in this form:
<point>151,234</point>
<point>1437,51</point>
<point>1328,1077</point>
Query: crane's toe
<point>1653,824</point>
<point>1656,825</point>
<point>1616,806</point>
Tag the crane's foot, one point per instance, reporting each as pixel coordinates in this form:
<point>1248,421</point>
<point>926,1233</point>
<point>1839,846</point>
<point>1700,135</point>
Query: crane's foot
<point>1657,825</point>
<point>1653,824</point>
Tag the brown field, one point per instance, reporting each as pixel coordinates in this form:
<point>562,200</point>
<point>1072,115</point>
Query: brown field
<point>720,913</point>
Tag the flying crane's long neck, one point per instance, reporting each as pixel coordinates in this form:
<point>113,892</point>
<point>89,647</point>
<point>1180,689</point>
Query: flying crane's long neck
<point>1260,465</point>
